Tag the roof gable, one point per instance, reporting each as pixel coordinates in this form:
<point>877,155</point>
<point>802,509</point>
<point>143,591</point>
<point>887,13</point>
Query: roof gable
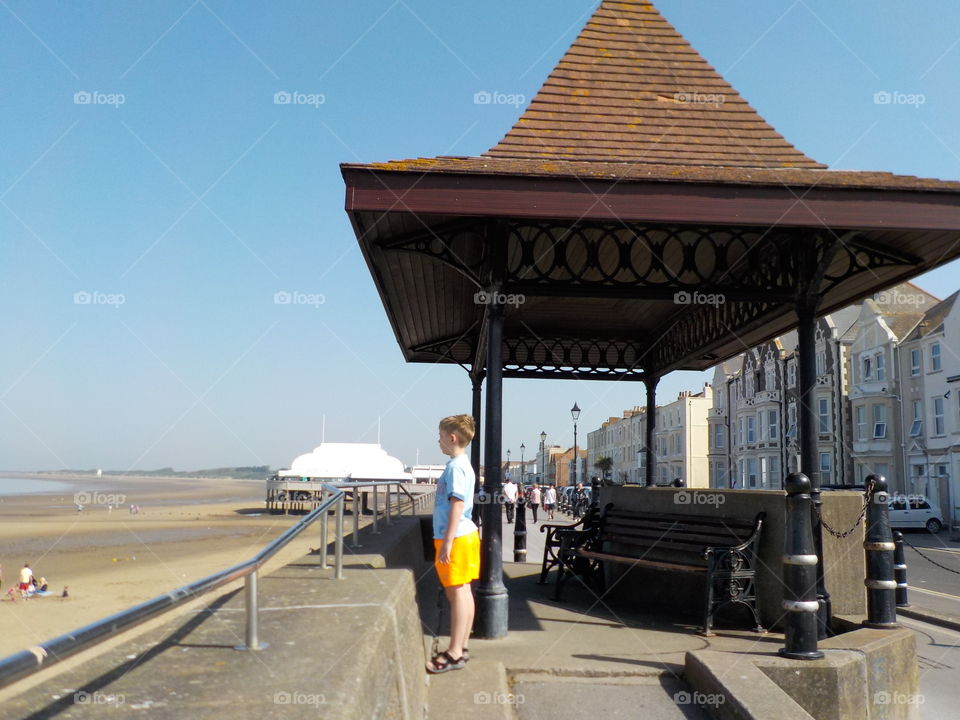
<point>632,89</point>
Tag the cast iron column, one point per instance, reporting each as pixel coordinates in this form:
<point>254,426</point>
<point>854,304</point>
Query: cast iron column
<point>651,385</point>
<point>799,573</point>
<point>879,548</point>
<point>477,382</point>
<point>807,422</point>
<point>491,615</point>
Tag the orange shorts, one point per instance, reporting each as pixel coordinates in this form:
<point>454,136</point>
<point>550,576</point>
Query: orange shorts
<point>464,565</point>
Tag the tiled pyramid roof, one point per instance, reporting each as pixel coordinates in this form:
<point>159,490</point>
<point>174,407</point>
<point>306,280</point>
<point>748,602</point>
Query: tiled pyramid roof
<point>632,89</point>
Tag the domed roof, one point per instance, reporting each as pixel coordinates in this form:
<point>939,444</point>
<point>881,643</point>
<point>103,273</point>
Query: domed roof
<point>348,461</point>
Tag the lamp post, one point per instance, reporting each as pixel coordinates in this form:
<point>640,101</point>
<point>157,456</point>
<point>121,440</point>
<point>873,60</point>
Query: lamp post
<point>575,414</point>
<point>508,465</point>
<point>523,468</point>
<point>543,462</point>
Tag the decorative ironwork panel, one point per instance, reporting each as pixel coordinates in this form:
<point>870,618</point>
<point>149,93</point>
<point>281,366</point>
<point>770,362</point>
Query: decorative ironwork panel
<point>650,257</point>
<point>702,327</point>
<point>565,357</point>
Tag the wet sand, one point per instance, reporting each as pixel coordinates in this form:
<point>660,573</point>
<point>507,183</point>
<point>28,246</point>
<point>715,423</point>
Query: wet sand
<point>112,559</point>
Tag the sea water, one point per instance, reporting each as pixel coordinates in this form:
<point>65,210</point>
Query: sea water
<point>31,486</point>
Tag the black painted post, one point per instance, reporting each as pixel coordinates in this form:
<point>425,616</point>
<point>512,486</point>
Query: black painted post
<point>477,383</point>
<point>491,613</point>
<point>879,547</point>
<point>807,421</point>
<point>651,385</point>
<point>799,573</point>
<point>520,528</point>
<point>900,569</point>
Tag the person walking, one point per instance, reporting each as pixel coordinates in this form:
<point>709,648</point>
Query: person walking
<point>580,501</point>
<point>510,498</point>
<point>534,500</point>
<point>550,501</point>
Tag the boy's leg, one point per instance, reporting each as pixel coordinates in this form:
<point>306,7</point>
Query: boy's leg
<point>461,617</point>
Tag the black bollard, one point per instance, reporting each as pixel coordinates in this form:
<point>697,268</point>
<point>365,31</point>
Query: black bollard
<point>900,569</point>
<point>879,547</point>
<point>594,493</point>
<point>799,573</point>
<point>520,530</point>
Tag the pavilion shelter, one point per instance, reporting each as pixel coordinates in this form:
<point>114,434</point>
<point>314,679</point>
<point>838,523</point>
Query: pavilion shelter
<point>640,217</point>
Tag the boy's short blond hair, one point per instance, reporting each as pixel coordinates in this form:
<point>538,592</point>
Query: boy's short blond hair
<point>460,425</point>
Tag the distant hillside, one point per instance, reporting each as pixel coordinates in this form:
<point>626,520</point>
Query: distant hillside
<point>251,472</point>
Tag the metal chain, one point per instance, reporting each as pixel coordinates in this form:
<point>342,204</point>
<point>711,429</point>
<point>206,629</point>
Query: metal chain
<point>863,511</point>
<point>944,567</point>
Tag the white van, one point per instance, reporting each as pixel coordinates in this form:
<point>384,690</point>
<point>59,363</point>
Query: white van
<point>914,511</point>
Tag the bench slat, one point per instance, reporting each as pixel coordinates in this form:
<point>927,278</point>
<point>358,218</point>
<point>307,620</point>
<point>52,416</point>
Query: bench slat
<point>635,561</point>
<point>708,537</point>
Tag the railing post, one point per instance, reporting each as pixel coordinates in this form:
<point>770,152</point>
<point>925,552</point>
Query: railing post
<point>324,528</point>
<point>900,569</point>
<point>879,547</point>
<point>250,598</point>
<point>388,503</point>
<point>356,517</point>
<point>799,573</point>
<point>376,510</point>
<point>338,547</point>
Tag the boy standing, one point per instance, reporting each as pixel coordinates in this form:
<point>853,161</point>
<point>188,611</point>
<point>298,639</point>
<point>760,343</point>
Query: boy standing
<point>456,539</point>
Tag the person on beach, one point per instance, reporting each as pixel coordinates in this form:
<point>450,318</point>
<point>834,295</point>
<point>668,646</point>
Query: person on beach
<point>26,579</point>
<point>456,539</point>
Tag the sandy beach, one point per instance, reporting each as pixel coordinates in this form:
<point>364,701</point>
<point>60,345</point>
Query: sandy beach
<point>111,559</point>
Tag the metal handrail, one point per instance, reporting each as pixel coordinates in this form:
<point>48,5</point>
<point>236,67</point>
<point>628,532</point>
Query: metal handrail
<point>26,662</point>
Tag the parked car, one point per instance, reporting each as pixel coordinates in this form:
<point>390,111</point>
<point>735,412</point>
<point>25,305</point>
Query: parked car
<point>914,511</point>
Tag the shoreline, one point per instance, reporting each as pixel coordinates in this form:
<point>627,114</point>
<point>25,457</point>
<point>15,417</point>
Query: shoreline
<point>112,559</point>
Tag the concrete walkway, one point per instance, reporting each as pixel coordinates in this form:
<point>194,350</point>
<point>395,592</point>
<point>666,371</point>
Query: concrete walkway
<point>584,655</point>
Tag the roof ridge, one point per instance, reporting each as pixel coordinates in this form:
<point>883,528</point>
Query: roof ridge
<point>660,79</point>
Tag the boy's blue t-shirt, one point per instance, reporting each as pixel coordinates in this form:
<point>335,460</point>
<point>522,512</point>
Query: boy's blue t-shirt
<point>457,480</point>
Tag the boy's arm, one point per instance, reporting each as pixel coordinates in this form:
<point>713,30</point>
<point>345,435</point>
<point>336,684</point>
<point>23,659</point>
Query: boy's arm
<point>453,521</point>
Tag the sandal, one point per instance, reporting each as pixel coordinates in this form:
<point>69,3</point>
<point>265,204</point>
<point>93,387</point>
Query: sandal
<point>444,662</point>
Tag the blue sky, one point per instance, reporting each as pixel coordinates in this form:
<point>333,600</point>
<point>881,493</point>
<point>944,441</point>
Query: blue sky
<point>144,234</point>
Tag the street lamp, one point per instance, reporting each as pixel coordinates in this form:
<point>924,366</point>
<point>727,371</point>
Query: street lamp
<point>543,462</point>
<point>575,414</point>
<point>522,466</point>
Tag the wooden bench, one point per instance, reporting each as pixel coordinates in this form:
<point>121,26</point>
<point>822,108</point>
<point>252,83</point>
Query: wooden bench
<point>722,550</point>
